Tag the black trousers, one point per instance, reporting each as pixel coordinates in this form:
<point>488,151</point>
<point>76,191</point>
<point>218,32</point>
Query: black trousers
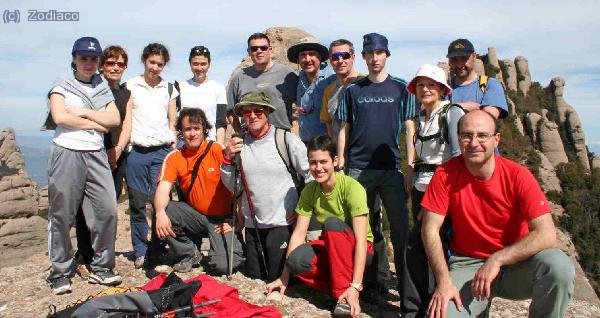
<point>274,243</point>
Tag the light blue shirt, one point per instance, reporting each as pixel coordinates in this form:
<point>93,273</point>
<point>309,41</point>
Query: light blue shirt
<point>309,99</point>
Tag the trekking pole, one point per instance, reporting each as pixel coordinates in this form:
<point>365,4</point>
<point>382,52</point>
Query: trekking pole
<point>191,308</point>
<point>237,162</point>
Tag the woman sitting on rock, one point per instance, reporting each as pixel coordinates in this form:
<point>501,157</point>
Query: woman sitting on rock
<point>346,243</point>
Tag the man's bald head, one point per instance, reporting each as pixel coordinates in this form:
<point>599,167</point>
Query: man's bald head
<point>479,114</point>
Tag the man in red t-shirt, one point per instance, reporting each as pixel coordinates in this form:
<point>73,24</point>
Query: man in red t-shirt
<point>207,202</point>
<point>503,235</point>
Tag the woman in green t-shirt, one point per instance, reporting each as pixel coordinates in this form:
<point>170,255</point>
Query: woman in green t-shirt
<point>345,247</point>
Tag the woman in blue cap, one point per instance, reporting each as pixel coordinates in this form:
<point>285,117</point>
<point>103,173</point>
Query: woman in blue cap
<point>82,109</point>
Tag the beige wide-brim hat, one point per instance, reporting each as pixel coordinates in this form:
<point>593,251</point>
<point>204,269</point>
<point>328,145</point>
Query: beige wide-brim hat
<point>306,44</point>
<point>433,72</point>
<point>253,99</point>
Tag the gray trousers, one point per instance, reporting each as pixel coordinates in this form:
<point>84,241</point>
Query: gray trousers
<point>190,225</point>
<point>548,278</point>
<point>80,178</point>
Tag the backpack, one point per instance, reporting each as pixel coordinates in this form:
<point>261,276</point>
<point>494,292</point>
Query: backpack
<point>443,116</point>
<point>178,98</point>
<point>284,152</point>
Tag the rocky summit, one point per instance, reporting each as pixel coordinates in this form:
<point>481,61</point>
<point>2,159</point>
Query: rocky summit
<point>550,133</point>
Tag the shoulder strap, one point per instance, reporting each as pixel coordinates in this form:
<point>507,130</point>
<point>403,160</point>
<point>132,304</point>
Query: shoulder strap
<point>178,98</point>
<point>284,152</point>
<point>443,121</point>
<point>170,89</point>
<point>196,167</point>
<point>483,80</point>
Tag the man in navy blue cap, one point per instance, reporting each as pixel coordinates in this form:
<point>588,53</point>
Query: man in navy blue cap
<point>470,90</point>
<point>373,111</point>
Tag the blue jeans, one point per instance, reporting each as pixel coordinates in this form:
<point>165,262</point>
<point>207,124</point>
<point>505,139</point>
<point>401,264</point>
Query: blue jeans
<point>389,184</point>
<point>143,167</point>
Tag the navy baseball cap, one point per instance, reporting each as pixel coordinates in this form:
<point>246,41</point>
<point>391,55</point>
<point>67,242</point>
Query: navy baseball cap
<point>87,46</point>
<point>460,47</point>
<point>375,41</point>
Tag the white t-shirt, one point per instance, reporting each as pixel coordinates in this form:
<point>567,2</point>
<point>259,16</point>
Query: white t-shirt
<point>72,138</point>
<point>205,96</point>
<point>149,115</point>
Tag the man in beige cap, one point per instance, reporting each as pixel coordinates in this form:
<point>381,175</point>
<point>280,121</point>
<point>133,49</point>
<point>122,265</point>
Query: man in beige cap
<point>311,56</point>
<point>269,188</point>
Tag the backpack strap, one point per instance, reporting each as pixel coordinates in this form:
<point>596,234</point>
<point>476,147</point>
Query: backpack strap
<point>178,98</point>
<point>443,121</point>
<point>170,89</point>
<point>483,80</point>
<point>196,167</point>
<point>283,150</point>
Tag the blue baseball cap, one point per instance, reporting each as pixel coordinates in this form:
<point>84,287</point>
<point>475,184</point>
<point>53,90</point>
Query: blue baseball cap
<point>375,41</point>
<point>87,46</point>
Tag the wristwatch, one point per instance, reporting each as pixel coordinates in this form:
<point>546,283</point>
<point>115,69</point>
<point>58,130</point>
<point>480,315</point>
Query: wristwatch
<point>357,286</point>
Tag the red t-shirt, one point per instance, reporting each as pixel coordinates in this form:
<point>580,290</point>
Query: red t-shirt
<point>486,215</point>
<point>209,196</point>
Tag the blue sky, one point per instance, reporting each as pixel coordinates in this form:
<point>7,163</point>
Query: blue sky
<point>557,39</point>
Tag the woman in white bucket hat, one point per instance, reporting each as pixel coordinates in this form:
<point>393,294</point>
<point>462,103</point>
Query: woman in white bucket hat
<point>435,141</point>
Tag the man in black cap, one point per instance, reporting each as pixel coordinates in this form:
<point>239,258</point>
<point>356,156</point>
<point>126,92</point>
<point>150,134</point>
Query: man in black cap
<point>373,111</point>
<point>470,90</point>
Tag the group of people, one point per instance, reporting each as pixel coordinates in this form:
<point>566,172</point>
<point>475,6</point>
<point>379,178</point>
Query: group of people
<point>310,204</point>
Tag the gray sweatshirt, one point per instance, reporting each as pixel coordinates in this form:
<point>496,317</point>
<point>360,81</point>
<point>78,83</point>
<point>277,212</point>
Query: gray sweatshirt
<point>268,181</point>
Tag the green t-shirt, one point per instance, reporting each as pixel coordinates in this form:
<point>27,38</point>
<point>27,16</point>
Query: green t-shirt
<point>347,200</point>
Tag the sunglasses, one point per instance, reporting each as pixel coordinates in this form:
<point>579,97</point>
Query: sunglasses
<point>337,55</point>
<point>255,48</point>
<point>257,111</point>
<point>113,63</point>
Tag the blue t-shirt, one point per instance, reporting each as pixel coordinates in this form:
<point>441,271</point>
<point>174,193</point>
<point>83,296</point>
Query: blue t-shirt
<point>308,99</point>
<point>493,96</point>
<point>376,112</point>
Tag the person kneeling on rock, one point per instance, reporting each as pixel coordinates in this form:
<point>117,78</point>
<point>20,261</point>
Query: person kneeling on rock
<point>206,202</point>
<point>346,244</point>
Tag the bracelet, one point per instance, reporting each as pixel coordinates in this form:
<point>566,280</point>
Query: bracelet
<point>357,286</point>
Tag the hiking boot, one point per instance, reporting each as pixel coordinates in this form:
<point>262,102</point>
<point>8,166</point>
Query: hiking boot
<point>139,262</point>
<point>60,285</point>
<point>105,277</point>
<point>185,265</point>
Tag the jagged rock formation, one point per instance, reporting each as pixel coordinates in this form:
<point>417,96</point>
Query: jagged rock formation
<point>510,80</point>
<point>549,140</point>
<point>479,67</point>
<point>547,175</point>
<point>21,230</point>
<point>492,59</point>
<point>570,119</point>
<point>523,75</point>
<point>531,123</point>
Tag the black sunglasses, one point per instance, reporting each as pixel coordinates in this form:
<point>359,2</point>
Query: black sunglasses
<point>255,48</point>
<point>337,55</point>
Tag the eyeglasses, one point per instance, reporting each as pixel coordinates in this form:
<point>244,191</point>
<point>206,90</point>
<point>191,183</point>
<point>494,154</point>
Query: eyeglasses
<point>113,63</point>
<point>337,55</point>
<point>257,111</point>
<point>481,137</point>
<point>255,48</point>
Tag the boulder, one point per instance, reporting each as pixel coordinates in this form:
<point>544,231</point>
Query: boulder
<point>531,123</point>
<point>20,238</point>
<point>492,59</point>
<point>577,137</point>
<point>510,80</point>
<point>446,68</point>
<point>557,86</point>
<point>549,140</point>
<point>547,175</point>
<point>596,162</point>
<point>479,67</point>
<point>523,75</point>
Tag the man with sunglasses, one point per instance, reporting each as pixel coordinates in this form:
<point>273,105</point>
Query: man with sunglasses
<point>373,110</point>
<point>269,193</point>
<point>310,55</point>
<point>341,58</point>
<point>503,234</point>
<point>277,81</point>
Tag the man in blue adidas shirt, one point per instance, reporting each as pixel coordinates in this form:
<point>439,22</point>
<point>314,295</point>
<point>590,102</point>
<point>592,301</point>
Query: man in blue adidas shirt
<point>373,111</point>
<point>466,88</point>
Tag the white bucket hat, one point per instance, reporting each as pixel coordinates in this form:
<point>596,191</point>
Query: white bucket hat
<point>433,72</point>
